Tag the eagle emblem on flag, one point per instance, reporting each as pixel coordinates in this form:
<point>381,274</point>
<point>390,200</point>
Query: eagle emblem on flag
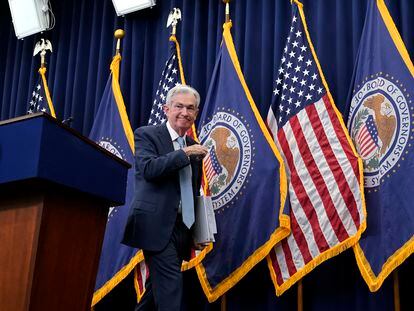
<point>230,156</point>
<point>379,125</point>
<point>374,129</point>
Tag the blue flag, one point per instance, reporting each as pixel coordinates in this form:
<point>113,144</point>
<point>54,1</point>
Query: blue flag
<point>380,121</point>
<point>112,130</point>
<point>249,190</point>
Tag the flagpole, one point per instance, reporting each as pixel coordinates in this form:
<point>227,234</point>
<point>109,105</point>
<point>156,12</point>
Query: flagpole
<point>41,47</point>
<point>227,10</point>
<point>300,295</point>
<point>119,34</point>
<point>173,18</point>
<point>223,303</point>
<point>43,58</point>
<point>397,306</point>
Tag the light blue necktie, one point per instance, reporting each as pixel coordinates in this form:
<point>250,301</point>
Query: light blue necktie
<point>187,199</point>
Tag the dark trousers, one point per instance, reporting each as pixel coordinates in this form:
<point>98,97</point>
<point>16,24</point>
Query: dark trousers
<point>164,289</point>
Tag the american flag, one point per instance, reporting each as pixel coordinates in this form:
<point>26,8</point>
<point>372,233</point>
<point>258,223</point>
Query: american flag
<point>170,77</point>
<point>367,138</point>
<point>212,165</point>
<point>39,101</point>
<point>322,167</point>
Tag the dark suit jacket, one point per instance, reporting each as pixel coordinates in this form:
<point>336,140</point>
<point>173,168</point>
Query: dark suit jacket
<point>157,188</point>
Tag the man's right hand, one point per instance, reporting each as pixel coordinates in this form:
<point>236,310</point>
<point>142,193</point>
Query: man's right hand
<point>197,151</point>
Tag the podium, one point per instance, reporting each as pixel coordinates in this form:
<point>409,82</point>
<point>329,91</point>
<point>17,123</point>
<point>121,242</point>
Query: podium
<point>55,190</point>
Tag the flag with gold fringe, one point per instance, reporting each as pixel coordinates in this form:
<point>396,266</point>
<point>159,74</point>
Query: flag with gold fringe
<point>249,187</point>
<point>327,209</point>
<point>381,124</point>
<point>112,130</point>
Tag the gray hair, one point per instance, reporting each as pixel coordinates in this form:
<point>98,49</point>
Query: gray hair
<point>182,89</point>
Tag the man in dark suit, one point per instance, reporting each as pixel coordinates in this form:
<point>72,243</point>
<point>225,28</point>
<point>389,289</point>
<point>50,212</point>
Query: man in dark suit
<point>167,180</point>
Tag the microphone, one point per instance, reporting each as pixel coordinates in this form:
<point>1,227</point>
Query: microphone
<point>67,121</point>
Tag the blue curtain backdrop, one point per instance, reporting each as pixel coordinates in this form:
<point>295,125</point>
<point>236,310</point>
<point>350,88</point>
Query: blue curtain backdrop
<point>83,46</point>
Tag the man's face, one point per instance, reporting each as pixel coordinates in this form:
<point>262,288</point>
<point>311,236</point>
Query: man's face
<point>181,112</point>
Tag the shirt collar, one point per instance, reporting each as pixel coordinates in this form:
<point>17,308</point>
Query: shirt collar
<point>173,134</point>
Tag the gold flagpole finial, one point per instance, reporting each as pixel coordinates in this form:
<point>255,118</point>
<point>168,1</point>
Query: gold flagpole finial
<point>227,10</point>
<point>173,18</point>
<point>41,48</point>
<point>119,34</point>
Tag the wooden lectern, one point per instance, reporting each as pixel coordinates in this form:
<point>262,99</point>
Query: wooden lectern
<point>55,190</point>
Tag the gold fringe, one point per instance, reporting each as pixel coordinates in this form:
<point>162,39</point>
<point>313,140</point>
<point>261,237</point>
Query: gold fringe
<point>374,282</point>
<point>42,72</point>
<point>117,278</point>
<point>186,265</point>
<point>213,294</point>
<point>180,63</point>
<point>395,35</point>
<point>116,89</point>
<point>337,249</point>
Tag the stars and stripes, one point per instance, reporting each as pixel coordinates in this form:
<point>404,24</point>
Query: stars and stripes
<point>212,165</point>
<point>323,169</point>
<point>170,77</point>
<point>298,83</point>
<point>367,138</point>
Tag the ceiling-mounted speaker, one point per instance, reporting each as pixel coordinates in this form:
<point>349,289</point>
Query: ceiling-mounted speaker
<point>123,7</point>
<point>29,16</point>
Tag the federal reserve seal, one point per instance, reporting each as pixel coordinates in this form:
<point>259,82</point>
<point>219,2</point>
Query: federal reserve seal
<point>380,126</point>
<point>228,162</point>
<point>112,147</point>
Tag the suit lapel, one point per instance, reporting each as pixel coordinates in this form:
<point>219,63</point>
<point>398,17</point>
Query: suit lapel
<point>166,144</point>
